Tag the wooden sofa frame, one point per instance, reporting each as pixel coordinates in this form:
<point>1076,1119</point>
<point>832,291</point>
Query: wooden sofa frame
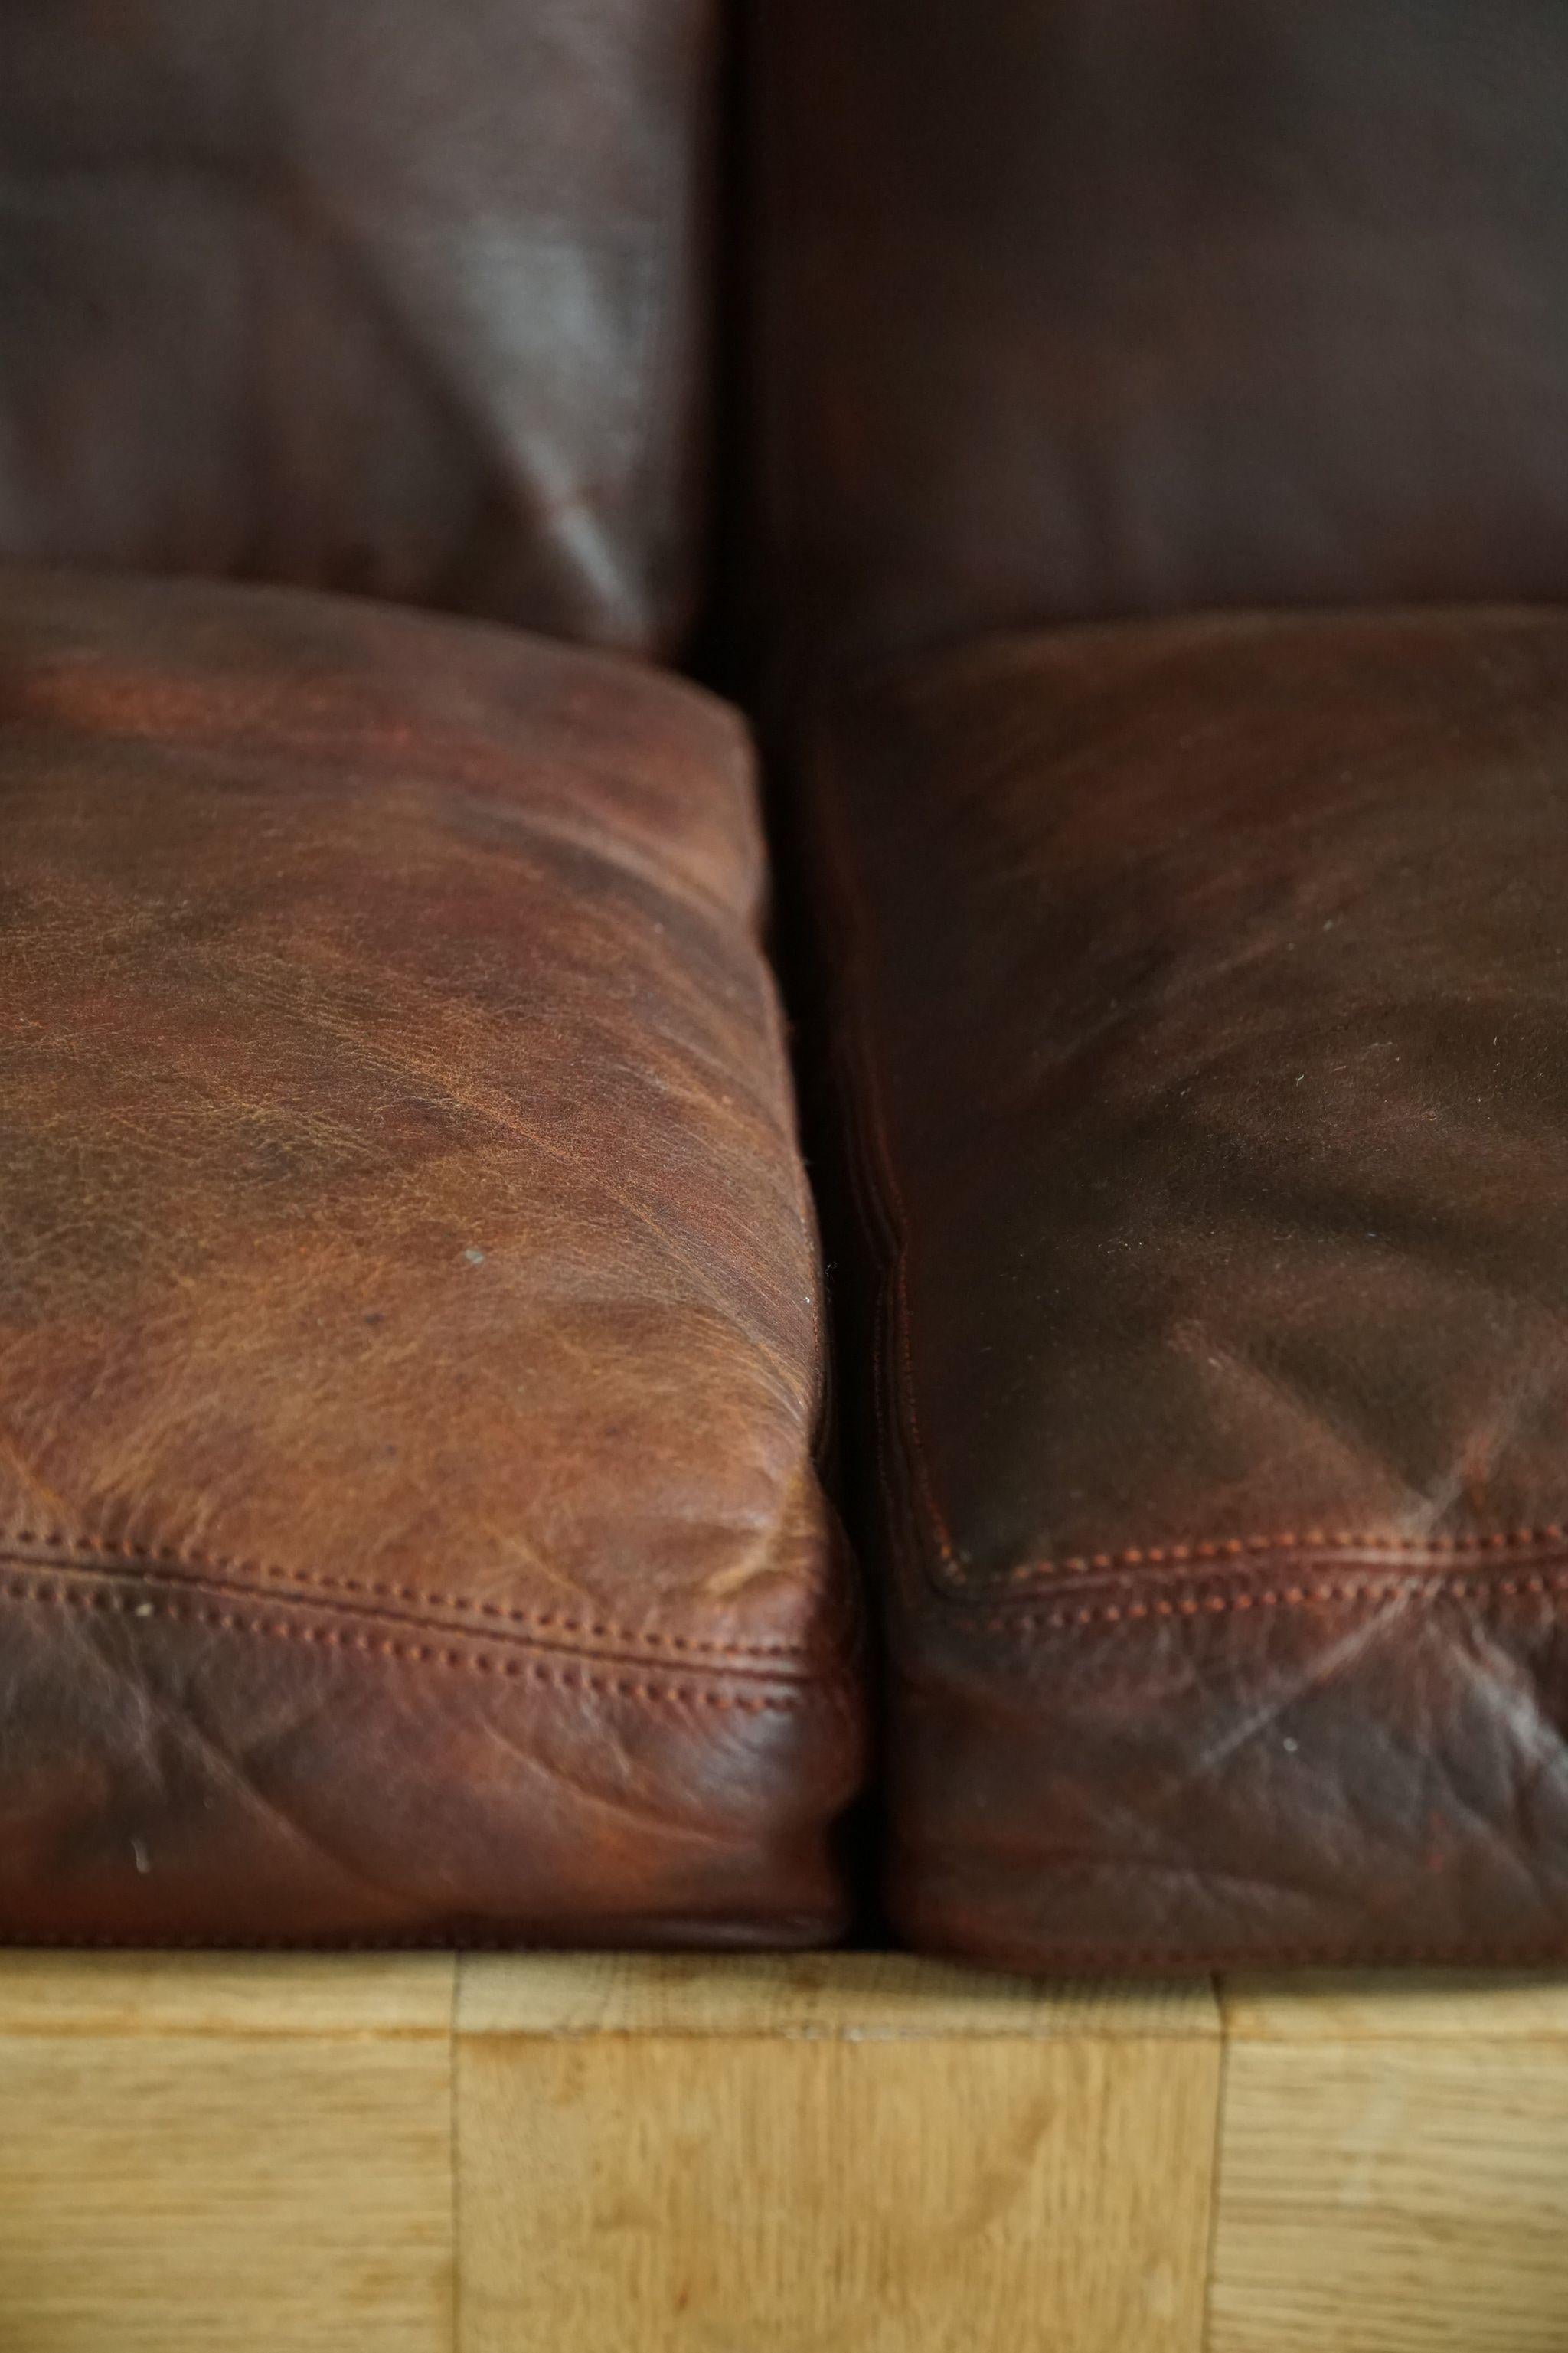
<point>834,2154</point>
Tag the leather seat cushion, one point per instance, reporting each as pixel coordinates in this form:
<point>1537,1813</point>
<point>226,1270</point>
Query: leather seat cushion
<point>410,1323</point>
<point>1203,988</point>
<point>369,295</point>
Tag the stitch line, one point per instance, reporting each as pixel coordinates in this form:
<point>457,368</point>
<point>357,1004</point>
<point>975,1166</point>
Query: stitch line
<point>162,1580</point>
<point>28,1589</point>
<point>1291,1596</point>
<point>1223,1549</point>
<point>544,1620</point>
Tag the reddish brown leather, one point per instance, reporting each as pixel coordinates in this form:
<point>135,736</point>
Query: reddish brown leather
<point>1110,307</point>
<point>410,1328</point>
<point>1204,996</point>
<point>365,294</point>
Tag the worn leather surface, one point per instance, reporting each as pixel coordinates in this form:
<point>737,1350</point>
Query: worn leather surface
<point>1117,307</point>
<point>363,294</point>
<point>410,1323</point>
<point>1203,995</point>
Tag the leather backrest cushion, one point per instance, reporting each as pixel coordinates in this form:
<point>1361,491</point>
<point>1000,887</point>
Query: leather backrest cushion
<point>383,295</point>
<point>1115,307</point>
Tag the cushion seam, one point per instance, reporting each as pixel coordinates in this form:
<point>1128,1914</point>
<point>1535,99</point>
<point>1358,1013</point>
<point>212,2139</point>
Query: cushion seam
<point>1451,1584</point>
<point>39,1591</point>
<point>236,1569</point>
<point>1230,1550</point>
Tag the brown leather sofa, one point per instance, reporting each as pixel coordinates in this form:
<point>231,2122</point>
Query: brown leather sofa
<point>1117,455</point>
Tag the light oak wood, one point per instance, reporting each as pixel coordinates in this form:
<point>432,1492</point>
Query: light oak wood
<point>856,2156</point>
<point>1394,2167</point>
<point>871,1997</point>
<point>828,2154</point>
<point>225,2155</point>
<point>310,1994</point>
<point>1468,2005</point>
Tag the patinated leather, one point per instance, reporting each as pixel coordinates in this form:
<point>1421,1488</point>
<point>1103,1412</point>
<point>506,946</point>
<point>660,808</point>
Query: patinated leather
<point>410,1320</point>
<point>1202,993</point>
<point>375,295</point>
<point>1118,307</point>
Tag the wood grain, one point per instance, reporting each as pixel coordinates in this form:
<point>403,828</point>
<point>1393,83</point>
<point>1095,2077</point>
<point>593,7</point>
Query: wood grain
<point>824,2154</point>
<point>290,1994</point>
<point>251,2183</point>
<point>1394,2170</point>
<point>1468,2005</point>
<point>806,2158</point>
<point>863,1995</point>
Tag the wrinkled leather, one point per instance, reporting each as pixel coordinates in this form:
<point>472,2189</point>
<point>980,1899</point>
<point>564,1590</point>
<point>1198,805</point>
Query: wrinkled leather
<point>410,1323</point>
<point>363,294</point>
<point>1119,307</point>
<point>1202,992</point>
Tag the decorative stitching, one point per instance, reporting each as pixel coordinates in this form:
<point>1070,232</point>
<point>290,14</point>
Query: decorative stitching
<point>541,1620</point>
<point>425,1654</point>
<point>159,1580</point>
<point>1316,1540</point>
<point>1292,1597</point>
